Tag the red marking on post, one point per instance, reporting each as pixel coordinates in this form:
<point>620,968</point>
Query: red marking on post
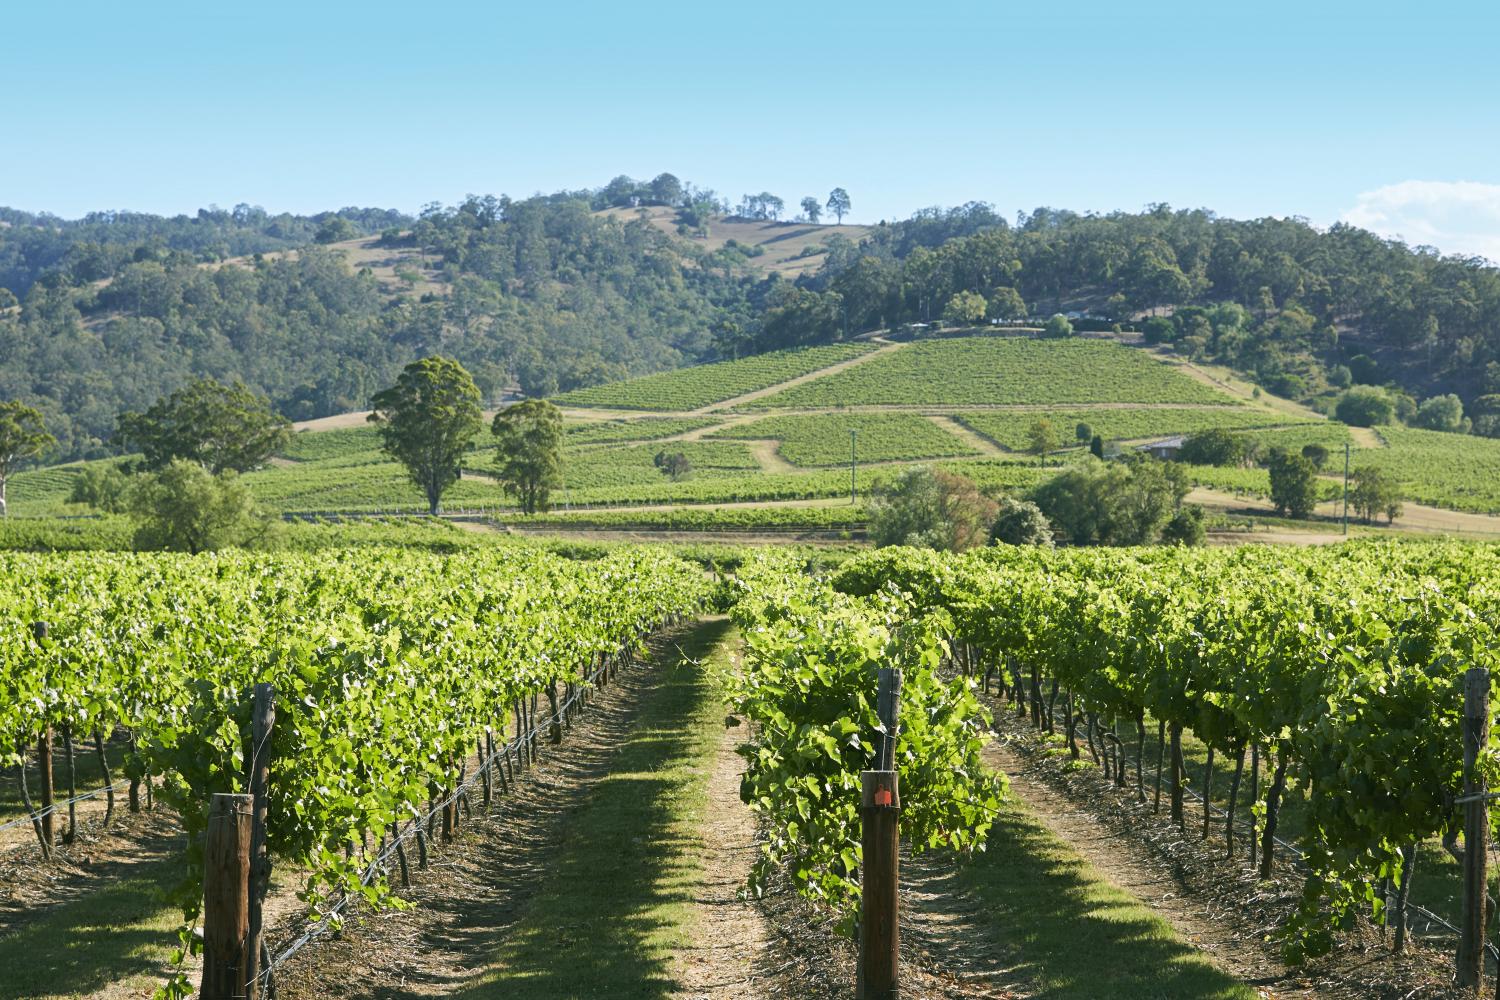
<point>882,796</point>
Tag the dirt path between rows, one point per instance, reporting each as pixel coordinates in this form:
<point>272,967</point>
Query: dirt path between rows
<point>477,888</point>
<point>765,452</point>
<point>981,444</point>
<point>750,397</point>
<point>731,944</point>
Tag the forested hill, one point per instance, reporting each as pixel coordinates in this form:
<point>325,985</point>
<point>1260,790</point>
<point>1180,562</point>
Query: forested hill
<point>557,292</point>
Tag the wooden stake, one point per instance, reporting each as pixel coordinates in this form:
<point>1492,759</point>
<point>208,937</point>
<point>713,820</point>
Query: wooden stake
<point>226,898</point>
<point>1476,827</point>
<point>44,763</point>
<point>879,923</point>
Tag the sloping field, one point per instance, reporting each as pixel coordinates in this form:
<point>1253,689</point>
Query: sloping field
<point>1001,371</point>
<point>823,439</point>
<point>1010,428</point>
<point>1447,470</point>
<point>786,248</point>
<point>643,429</point>
<point>690,388</point>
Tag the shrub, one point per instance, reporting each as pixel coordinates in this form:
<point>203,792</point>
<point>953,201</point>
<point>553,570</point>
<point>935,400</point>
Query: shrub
<point>184,508</point>
<point>1021,522</point>
<point>1186,527</point>
<point>931,509</point>
<point>1365,406</point>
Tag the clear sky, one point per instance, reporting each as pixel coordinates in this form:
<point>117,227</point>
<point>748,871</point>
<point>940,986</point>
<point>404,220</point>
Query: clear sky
<point>1383,114</point>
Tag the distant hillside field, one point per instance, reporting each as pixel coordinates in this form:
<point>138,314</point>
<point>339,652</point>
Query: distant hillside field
<point>704,385</point>
<point>1012,428</point>
<point>823,439</point>
<point>1001,371</point>
<point>790,249</point>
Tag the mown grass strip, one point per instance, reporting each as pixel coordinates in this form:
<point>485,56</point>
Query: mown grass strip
<point>1071,933</point>
<point>618,900</point>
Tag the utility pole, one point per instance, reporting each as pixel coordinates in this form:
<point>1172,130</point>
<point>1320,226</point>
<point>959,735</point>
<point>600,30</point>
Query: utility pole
<point>1346,487</point>
<point>852,432</point>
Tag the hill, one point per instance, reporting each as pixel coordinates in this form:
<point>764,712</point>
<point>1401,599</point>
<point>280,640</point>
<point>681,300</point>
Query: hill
<point>564,292</point>
<point>770,440</point>
<point>788,249</point>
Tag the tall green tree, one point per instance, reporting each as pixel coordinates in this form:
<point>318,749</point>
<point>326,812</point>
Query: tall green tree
<point>1041,438</point>
<point>1294,483</point>
<point>530,438</point>
<point>931,508</point>
<point>839,204</point>
<point>23,436</point>
<point>220,427</point>
<point>811,210</point>
<point>1374,491</point>
<point>426,422</point>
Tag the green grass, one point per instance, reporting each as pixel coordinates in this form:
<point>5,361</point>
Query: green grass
<point>824,439</point>
<point>640,429</point>
<point>121,933</point>
<point>690,388</point>
<point>1011,428</point>
<point>985,370</point>
<point>1072,934</point>
<point>617,900</point>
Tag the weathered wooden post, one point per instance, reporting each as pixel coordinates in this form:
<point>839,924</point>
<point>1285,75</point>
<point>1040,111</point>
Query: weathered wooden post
<point>880,808</point>
<point>226,898</point>
<point>44,764</point>
<point>1476,734</point>
<point>257,780</point>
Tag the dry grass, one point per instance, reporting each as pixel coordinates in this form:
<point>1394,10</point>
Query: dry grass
<point>784,242</point>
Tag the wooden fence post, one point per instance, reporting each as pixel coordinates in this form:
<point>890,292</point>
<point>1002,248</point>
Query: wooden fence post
<point>879,972</point>
<point>257,780</point>
<point>44,763</point>
<point>1476,734</point>
<point>226,898</point>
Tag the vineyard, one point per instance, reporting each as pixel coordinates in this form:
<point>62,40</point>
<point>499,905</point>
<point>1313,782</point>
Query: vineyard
<point>1299,712</point>
<point>1011,429</point>
<point>691,388</point>
<point>1001,371</point>
<point>824,439</point>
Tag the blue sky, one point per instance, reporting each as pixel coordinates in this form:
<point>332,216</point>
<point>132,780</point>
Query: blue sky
<point>1382,114</point>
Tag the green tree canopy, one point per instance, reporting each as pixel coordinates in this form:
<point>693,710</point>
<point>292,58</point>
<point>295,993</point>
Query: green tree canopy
<point>1374,491</point>
<point>530,438</point>
<point>23,436</point>
<point>1041,438</point>
<point>673,464</point>
<point>1216,446</point>
<point>183,508</point>
<point>1020,522</point>
<point>931,508</point>
<point>1365,406</point>
<point>221,427</point>
<point>1441,413</point>
<point>1113,503</point>
<point>839,204</point>
<point>426,422</point>
<point>1294,483</point>
<point>1058,327</point>
<point>1006,303</point>
<point>1186,527</point>
<point>965,309</point>
<point>811,210</point>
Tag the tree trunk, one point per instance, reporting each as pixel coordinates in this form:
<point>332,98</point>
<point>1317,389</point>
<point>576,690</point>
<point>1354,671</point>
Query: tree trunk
<point>1208,785</point>
<point>1254,796</point>
<point>1161,753</point>
<point>1072,726</point>
<point>1177,813</point>
<point>109,784</point>
<point>1408,869</point>
<point>1140,755</point>
<point>72,830</point>
<point>1234,796</point>
<point>1273,805</point>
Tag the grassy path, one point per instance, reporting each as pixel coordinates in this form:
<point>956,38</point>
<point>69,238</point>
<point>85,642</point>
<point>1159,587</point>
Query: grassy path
<point>619,897</point>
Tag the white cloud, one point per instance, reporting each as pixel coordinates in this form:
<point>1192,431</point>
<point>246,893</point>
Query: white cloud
<point>1461,217</point>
